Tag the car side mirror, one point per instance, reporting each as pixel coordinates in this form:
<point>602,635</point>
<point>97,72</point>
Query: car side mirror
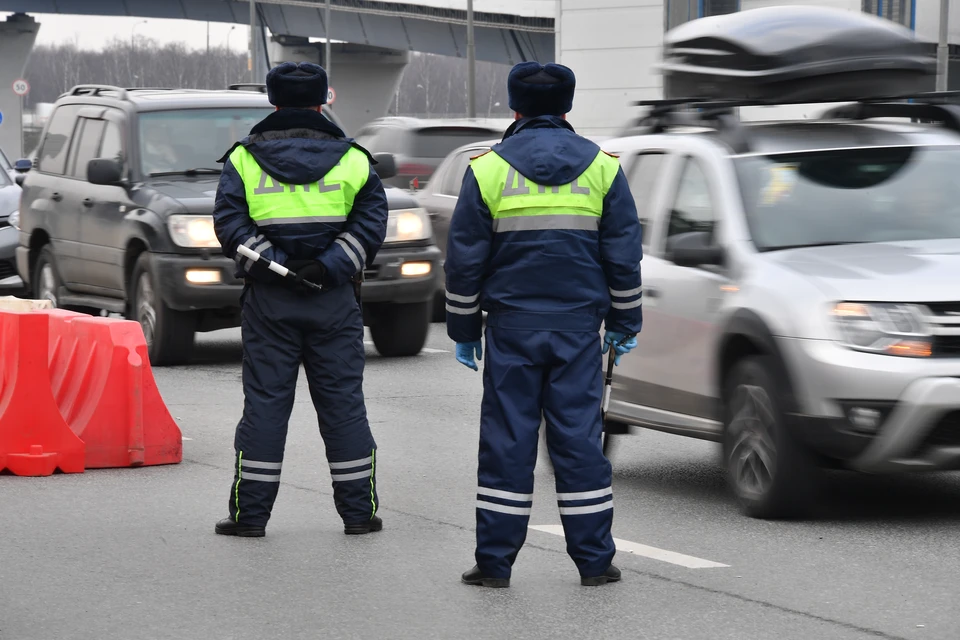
<point>22,165</point>
<point>386,166</point>
<point>19,179</point>
<point>694,249</point>
<point>104,171</point>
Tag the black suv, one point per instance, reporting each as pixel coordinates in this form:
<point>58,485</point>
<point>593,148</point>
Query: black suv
<point>116,217</point>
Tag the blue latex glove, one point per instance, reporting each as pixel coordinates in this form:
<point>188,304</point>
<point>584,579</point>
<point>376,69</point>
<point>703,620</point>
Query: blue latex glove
<point>465,351</point>
<point>621,343</point>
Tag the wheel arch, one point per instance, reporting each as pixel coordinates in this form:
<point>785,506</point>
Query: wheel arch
<point>135,248</point>
<point>39,238</point>
<point>747,334</point>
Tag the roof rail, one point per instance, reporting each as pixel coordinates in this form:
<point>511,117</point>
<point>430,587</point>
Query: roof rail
<point>942,108</point>
<point>947,115</point>
<point>247,86</point>
<point>96,90</point>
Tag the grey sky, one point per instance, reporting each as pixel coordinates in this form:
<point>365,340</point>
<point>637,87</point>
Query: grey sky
<point>91,32</point>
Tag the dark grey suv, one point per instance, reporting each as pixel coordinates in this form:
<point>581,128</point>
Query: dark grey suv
<point>116,216</point>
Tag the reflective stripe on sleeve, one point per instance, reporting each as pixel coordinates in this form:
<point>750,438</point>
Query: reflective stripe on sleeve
<point>350,253</point>
<point>356,245</point>
<point>627,305</point>
<point>463,312</point>
<point>452,297</point>
<point>626,294</point>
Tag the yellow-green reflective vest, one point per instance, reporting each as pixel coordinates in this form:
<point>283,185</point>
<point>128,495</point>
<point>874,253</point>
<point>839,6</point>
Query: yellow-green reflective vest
<point>328,200</point>
<point>517,204</point>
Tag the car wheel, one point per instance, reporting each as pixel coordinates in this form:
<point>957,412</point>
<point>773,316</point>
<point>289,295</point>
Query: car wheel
<point>169,333</point>
<point>401,330</point>
<point>770,472</point>
<point>46,279</point>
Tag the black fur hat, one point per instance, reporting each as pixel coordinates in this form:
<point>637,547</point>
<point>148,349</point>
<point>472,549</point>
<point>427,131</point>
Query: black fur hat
<point>294,84</point>
<point>537,90</point>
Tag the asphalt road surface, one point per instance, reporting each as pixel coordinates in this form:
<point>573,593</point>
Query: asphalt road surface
<point>131,553</point>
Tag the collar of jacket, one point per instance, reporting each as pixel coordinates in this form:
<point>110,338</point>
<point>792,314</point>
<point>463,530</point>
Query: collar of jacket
<point>538,122</point>
<point>284,119</point>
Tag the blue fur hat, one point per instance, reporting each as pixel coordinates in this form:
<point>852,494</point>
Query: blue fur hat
<point>294,84</point>
<point>537,90</point>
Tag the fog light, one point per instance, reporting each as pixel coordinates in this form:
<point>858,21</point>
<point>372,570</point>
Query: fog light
<point>911,348</point>
<point>203,276</point>
<point>865,419</point>
<point>415,268</point>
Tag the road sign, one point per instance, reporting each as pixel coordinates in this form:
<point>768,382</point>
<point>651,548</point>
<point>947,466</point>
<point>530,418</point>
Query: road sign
<point>331,95</point>
<point>21,87</point>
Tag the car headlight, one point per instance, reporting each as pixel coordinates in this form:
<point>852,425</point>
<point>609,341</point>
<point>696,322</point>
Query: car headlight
<point>894,329</point>
<point>14,220</point>
<point>408,225</point>
<point>193,231</point>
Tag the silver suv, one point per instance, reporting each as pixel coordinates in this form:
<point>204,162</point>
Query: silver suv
<point>801,292</point>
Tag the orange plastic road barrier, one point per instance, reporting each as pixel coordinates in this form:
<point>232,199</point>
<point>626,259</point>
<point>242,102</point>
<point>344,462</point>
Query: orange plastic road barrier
<point>102,381</point>
<point>34,438</point>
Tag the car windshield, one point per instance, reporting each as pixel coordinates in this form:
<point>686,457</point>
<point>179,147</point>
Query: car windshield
<point>4,162</point>
<point>438,142</point>
<point>878,194</point>
<point>188,140</point>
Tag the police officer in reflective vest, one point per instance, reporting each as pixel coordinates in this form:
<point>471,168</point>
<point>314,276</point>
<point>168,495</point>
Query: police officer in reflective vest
<point>545,238</point>
<point>301,194</point>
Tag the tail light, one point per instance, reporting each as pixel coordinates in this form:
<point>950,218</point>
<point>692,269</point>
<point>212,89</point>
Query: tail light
<point>414,169</point>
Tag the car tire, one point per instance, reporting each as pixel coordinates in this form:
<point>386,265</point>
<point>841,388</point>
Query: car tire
<point>46,277</point>
<point>771,473</point>
<point>169,333</point>
<point>439,308</point>
<point>401,330</point>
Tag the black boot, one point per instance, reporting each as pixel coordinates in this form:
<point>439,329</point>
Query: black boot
<point>476,578</point>
<point>374,524</point>
<point>612,574</point>
<point>228,527</point>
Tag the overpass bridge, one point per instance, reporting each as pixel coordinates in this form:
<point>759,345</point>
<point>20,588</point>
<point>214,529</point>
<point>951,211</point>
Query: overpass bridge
<point>373,39</point>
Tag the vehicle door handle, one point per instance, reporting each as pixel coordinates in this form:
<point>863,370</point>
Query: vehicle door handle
<point>651,292</point>
<point>56,196</point>
<point>87,202</point>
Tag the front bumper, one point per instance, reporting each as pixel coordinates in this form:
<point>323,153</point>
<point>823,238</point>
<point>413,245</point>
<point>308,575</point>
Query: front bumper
<point>384,281</point>
<point>918,430</point>
<point>181,294</point>
<point>9,241</point>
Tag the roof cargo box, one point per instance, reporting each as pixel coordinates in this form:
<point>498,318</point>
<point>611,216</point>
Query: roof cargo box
<point>792,54</point>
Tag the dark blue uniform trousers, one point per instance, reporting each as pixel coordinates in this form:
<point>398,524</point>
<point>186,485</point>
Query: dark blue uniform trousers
<point>281,329</point>
<point>557,375</point>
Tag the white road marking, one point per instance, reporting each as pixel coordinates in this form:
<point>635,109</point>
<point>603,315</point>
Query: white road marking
<point>425,349</point>
<point>643,550</point>
<point>186,438</point>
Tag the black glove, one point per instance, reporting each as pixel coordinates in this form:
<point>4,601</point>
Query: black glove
<point>309,270</point>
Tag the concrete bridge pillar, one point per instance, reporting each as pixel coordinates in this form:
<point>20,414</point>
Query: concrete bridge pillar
<point>17,35</point>
<point>364,78</point>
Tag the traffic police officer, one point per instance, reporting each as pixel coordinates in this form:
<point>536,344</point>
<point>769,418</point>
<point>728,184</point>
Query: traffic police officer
<point>545,238</point>
<point>301,194</point>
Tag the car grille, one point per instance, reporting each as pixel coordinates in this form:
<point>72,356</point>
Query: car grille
<point>7,270</point>
<point>4,222</point>
<point>946,433</point>
<point>944,318</point>
<point>371,273</point>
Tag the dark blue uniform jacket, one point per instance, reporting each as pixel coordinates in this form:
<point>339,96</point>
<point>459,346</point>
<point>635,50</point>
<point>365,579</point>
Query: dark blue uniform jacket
<point>546,280</point>
<point>297,146</point>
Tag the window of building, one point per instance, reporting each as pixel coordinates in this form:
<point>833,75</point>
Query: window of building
<point>676,12</point>
<point>900,11</point>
